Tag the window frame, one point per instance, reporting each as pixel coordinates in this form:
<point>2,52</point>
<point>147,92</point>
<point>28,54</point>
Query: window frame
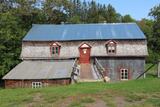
<point>37,84</point>
<point>55,49</point>
<point>111,47</point>
<point>123,76</point>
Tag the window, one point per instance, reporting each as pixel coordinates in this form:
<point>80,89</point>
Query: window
<point>84,51</point>
<point>111,47</point>
<point>55,49</point>
<point>36,84</point>
<point>124,74</point>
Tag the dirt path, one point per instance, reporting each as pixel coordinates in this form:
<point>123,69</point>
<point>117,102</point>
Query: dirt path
<point>37,98</point>
<point>120,102</point>
<point>98,103</point>
<point>66,102</point>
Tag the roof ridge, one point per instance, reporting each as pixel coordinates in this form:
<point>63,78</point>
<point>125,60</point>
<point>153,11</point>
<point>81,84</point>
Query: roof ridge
<point>88,24</point>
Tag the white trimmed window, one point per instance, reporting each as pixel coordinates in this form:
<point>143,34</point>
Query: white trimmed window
<point>124,74</point>
<point>111,47</point>
<point>36,84</point>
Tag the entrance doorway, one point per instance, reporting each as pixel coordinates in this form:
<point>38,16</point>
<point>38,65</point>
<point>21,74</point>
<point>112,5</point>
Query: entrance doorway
<point>84,51</point>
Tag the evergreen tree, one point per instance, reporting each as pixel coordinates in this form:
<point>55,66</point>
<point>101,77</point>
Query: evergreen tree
<point>111,14</point>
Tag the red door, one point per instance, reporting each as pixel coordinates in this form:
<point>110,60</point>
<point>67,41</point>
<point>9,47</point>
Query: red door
<point>84,53</point>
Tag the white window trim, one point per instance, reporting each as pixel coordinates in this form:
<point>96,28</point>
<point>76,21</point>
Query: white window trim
<point>111,46</point>
<point>123,70</point>
<point>36,84</point>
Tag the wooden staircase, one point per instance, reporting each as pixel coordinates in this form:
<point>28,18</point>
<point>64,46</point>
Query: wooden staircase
<point>87,73</point>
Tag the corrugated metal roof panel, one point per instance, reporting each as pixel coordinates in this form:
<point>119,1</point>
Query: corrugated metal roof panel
<point>84,32</point>
<point>41,70</point>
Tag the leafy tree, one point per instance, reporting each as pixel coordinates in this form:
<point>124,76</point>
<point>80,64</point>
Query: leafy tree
<point>155,13</point>
<point>75,19</point>
<point>147,27</point>
<point>127,18</point>
<point>10,42</point>
<point>55,11</point>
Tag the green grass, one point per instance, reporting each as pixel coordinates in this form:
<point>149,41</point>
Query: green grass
<point>82,102</point>
<point>153,71</point>
<point>144,92</point>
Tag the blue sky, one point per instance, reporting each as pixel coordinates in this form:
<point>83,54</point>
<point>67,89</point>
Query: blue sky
<point>138,9</point>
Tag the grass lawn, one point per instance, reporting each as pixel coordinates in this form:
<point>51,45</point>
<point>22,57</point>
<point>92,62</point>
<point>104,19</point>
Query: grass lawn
<point>134,93</point>
<point>153,71</point>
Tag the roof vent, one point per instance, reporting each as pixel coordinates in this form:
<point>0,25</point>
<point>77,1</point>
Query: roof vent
<point>62,23</point>
<point>105,22</point>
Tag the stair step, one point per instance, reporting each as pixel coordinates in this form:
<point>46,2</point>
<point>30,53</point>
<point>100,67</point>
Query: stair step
<point>85,71</point>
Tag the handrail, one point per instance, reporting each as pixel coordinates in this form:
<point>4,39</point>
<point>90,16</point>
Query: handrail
<point>146,70</point>
<point>74,63</point>
<point>100,69</point>
<point>75,71</point>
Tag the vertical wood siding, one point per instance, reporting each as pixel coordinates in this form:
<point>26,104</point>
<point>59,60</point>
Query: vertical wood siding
<point>113,66</point>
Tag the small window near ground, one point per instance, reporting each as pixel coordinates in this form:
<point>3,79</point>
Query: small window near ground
<point>36,84</point>
<point>124,74</point>
<point>111,47</point>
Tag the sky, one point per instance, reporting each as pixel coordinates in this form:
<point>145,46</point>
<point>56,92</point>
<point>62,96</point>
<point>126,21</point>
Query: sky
<point>138,9</point>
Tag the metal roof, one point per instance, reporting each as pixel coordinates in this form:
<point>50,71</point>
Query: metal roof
<point>49,32</point>
<point>41,70</point>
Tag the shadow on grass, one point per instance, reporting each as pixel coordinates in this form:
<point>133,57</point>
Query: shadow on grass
<point>151,75</point>
<point>1,83</point>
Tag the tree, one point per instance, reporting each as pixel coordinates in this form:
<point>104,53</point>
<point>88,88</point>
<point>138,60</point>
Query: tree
<point>155,13</point>
<point>146,26</point>
<point>84,10</point>
<point>127,18</point>
<point>10,36</point>
<point>75,12</point>
<point>111,14</point>
<point>55,11</point>
<point>92,13</point>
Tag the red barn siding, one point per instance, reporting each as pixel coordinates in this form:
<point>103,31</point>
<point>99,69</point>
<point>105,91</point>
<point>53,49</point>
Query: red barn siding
<point>28,83</point>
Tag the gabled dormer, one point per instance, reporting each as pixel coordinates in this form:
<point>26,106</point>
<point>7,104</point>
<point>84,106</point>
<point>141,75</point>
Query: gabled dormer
<point>111,47</point>
<point>55,49</point>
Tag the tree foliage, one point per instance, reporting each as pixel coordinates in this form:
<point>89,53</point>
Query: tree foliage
<point>127,18</point>
<point>155,13</point>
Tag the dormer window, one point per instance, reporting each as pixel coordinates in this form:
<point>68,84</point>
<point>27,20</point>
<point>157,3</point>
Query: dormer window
<point>111,47</point>
<point>55,49</point>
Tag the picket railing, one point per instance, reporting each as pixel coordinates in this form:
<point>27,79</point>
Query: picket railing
<point>99,67</point>
<point>75,72</point>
